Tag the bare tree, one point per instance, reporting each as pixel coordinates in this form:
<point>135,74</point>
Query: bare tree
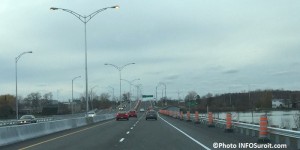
<point>192,95</point>
<point>297,119</point>
<point>34,99</point>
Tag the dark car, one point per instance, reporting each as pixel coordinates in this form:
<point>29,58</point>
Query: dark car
<point>132,113</point>
<point>151,115</point>
<point>122,115</point>
<point>26,119</point>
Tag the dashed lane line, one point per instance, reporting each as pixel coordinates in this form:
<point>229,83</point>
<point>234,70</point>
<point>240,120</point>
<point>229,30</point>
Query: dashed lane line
<point>122,139</point>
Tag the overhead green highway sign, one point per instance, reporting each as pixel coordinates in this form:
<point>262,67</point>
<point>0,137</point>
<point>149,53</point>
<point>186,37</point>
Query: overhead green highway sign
<point>145,96</point>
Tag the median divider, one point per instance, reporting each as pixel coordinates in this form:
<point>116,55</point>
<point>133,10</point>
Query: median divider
<point>210,120</point>
<point>188,116</point>
<point>264,133</point>
<point>263,130</point>
<point>196,117</point>
<point>181,115</point>
<point>17,133</point>
<point>228,123</point>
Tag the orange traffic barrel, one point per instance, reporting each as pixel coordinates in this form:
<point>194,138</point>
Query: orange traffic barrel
<point>228,123</point>
<point>210,120</point>
<point>181,115</point>
<point>263,130</point>
<point>196,117</point>
<point>188,116</point>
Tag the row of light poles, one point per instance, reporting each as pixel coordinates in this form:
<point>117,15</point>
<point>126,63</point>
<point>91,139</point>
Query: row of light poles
<point>130,83</point>
<point>120,74</point>
<point>161,84</point>
<point>85,19</point>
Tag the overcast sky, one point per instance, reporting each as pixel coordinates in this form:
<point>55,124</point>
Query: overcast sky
<point>215,46</point>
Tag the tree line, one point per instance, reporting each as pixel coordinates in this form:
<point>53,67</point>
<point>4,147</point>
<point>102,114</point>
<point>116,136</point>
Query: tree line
<point>240,101</point>
<point>36,103</point>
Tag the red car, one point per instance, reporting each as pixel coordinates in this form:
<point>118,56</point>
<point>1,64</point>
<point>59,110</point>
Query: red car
<point>132,113</point>
<point>122,115</point>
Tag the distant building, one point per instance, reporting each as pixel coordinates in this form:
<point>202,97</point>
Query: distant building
<point>281,103</point>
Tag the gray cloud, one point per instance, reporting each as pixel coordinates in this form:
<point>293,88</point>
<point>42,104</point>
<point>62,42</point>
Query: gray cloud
<point>186,48</point>
<point>171,77</point>
<point>232,71</point>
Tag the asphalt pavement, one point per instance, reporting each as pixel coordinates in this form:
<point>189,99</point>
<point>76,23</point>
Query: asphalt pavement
<point>166,133</point>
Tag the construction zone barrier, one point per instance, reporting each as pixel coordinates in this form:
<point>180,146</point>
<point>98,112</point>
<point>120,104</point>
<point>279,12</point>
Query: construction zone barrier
<point>264,133</point>
<point>228,123</point>
<point>263,130</point>
<point>177,115</point>
<point>197,117</point>
<point>181,115</point>
<point>210,120</point>
<point>188,116</point>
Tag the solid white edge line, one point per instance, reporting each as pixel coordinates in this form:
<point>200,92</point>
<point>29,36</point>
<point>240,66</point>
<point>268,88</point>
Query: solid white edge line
<point>122,139</point>
<point>185,134</point>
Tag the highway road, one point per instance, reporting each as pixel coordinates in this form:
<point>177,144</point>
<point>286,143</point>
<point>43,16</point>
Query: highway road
<point>136,134</point>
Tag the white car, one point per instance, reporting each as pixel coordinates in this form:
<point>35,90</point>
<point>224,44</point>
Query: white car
<point>91,114</point>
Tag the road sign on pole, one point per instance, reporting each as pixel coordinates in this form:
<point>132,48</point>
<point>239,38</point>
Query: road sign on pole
<point>191,103</point>
<point>146,96</point>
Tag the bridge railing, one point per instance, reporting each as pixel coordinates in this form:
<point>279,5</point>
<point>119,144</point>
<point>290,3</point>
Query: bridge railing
<point>277,135</point>
<point>17,133</point>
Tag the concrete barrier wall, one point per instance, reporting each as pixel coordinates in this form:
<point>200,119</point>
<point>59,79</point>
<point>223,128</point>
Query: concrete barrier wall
<point>17,133</point>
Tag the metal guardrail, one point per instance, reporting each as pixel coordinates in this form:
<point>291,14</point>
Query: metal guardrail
<point>15,122</point>
<point>52,118</point>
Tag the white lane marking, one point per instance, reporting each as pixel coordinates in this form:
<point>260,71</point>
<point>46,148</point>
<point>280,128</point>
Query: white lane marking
<point>127,132</point>
<point>131,128</point>
<point>122,139</point>
<point>185,134</point>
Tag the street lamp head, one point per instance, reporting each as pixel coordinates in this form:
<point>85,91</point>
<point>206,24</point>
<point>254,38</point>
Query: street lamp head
<point>29,52</point>
<point>53,8</point>
<point>106,64</point>
<point>116,7</point>
<point>132,63</point>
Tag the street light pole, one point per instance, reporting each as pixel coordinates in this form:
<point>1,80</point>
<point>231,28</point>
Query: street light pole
<point>17,101</point>
<point>137,90</point>
<point>91,96</point>
<point>85,20</point>
<point>251,103</point>
<point>161,83</point>
<point>120,69</point>
<point>156,93</point>
<point>130,83</point>
<point>72,90</point>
